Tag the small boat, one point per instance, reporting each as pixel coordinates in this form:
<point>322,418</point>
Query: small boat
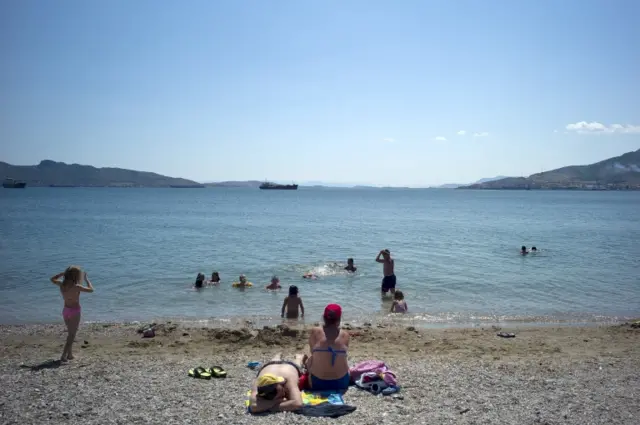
<point>275,186</point>
<point>13,184</point>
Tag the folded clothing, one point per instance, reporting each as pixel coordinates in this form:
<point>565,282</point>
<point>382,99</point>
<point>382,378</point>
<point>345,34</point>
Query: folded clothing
<point>375,384</point>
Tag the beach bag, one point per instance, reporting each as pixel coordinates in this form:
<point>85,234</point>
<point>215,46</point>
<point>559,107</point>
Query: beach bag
<point>376,367</point>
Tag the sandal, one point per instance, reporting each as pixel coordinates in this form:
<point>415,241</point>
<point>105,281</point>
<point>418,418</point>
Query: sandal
<point>200,373</point>
<point>217,372</point>
<point>506,335</point>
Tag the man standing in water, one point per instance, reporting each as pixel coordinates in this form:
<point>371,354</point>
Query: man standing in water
<point>389,279</point>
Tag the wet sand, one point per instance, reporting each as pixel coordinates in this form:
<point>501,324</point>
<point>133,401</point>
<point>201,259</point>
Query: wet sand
<point>577,375</point>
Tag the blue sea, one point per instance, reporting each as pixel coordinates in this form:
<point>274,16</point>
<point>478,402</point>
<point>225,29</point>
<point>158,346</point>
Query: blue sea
<point>456,253</point>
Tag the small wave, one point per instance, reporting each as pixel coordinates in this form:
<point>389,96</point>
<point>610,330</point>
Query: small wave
<point>321,270</point>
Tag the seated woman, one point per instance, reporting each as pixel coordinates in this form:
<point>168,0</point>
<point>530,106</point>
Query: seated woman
<point>328,368</point>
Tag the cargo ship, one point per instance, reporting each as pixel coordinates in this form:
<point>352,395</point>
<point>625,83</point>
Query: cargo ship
<point>13,184</point>
<point>275,186</point>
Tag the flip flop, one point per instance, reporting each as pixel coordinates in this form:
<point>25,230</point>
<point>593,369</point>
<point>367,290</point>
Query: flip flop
<point>506,335</point>
<point>200,373</point>
<point>217,372</point>
<point>253,365</point>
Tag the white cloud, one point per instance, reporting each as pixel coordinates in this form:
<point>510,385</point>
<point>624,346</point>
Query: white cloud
<point>389,140</point>
<point>555,131</point>
<point>461,133</point>
<point>440,139</point>
<point>481,134</point>
<point>584,127</point>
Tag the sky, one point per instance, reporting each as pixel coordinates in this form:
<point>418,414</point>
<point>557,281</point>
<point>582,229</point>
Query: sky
<point>405,93</point>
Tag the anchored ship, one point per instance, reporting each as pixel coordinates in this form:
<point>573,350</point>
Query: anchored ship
<point>275,186</point>
<point>13,184</point>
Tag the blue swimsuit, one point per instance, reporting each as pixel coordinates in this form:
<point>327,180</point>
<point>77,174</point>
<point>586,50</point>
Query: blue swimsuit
<point>318,384</point>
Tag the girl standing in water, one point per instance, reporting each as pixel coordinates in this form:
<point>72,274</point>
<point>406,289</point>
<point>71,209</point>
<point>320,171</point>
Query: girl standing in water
<point>70,287</point>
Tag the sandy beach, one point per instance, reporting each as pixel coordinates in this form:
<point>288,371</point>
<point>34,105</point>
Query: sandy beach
<point>545,375</point>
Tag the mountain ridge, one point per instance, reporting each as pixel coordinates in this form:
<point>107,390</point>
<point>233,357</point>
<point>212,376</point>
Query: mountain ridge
<point>51,173</point>
<point>619,172</point>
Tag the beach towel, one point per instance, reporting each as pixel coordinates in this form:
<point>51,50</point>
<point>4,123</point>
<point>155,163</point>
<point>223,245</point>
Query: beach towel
<point>328,404</point>
<point>375,367</point>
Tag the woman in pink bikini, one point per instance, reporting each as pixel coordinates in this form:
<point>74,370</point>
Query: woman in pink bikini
<point>70,287</point>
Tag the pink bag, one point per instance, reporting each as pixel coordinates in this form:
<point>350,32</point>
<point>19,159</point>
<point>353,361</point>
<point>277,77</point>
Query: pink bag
<point>376,366</point>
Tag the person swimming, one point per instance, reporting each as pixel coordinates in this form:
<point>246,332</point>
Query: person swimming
<point>523,250</point>
<point>215,278</point>
<point>534,249</point>
<point>275,284</point>
<point>309,275</point>
<point>242,282</point>
<point>350,267</point>
<point>199,280</point>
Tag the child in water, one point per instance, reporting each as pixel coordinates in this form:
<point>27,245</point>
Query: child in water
<point>70,287</point>
<point>399,304</point>
<point>350,267</point>
<point>523,250</point>
<point>199,281</point>
<point>291,304</point>
<point>242,281</point>
<point>275,284</point>
<point>309,275</point>
<point>215,278</point>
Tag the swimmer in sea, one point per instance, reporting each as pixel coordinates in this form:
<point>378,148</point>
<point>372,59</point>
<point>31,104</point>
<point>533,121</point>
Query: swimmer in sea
<point>523,250</point>
<point>242,281</point>
<point>309,275</point>
<point>534,249</point>
<point>215,278</point>
<point>199,281</point>
<point>350,267</point>
<point>275,284</point>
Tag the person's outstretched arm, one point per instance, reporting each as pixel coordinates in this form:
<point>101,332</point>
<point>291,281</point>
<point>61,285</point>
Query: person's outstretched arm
<point>56,279</point>
<point>378,259</point>
<point>284,305</point>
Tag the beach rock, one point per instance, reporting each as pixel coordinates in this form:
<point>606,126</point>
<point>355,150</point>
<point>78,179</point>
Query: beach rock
<point>143,328</point>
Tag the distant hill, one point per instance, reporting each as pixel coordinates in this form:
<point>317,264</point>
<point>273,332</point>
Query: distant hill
<point>620,172</point>
<point>51,173</point>
<point>457,185</point>
<point>249,183</point>
<point>491,179</point>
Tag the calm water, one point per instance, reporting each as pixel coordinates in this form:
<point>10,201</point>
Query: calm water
<point>456,252</point>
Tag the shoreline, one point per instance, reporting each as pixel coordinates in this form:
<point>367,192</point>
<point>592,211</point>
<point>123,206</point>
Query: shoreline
<point>418,320</point>
<point>253,338</point>
<point>570,375</point>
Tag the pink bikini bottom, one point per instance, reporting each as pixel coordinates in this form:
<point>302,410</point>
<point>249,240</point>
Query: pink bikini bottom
<point>69,312</point>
